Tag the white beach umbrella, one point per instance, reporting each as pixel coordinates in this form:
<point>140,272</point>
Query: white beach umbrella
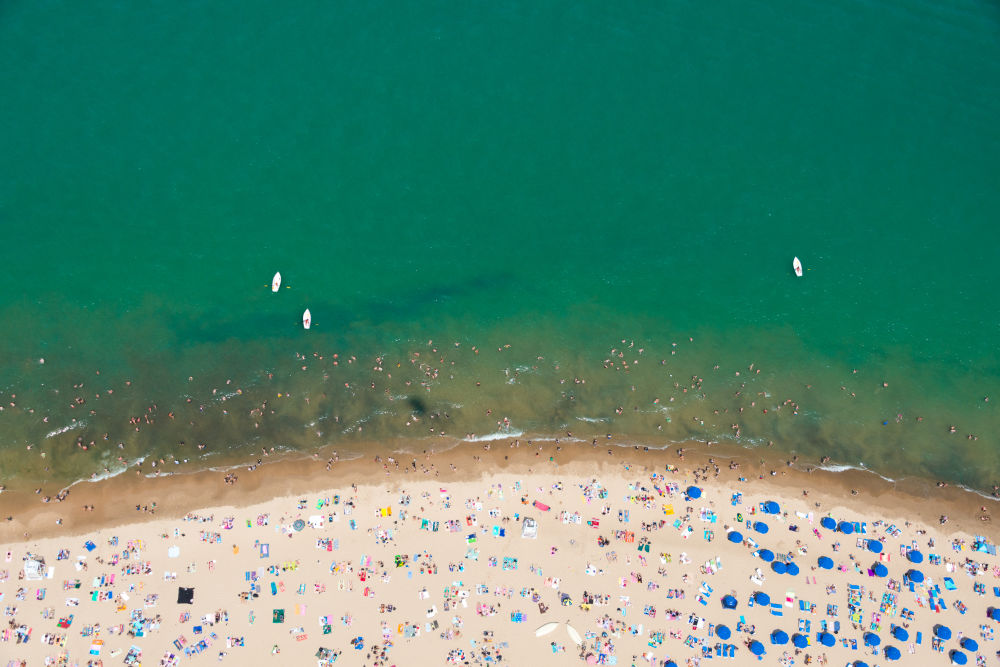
<point>573,634</point>
<point>174,551</point>
<point>546,629</point>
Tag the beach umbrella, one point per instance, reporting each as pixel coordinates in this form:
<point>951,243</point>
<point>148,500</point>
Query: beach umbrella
<point>761,597</point>
<point>174,551</point>
<point>694,492</point>
<point>872,639</point>
<point>828,523</point>
<point>993,613</point>
<point>771,507</point>
<point>670,663</point>
<point>915,575</point>
<point>766,555</point>
<point>891,653</point>
<point>880,570</point>
<point>546,629</point>
<point>573,634</point>
<point>826,639</point>
<point>756,648</point>
<point>779,637</point>
<point>760,527</point>
<point>942,632</point>
<point>914,556</point>
<point>874,546</point>
<point>825,562</point>
<point>969,644</point>
<point>859,663</point>
<point>735,537</point>
<point>800,641</point>
<point>846,527</point>
<point>591,659</point>
<point>299,524</point>
<point>723,632</point>
<point>728,602</point>
<point>792,569</point>
<point>900,633</point>
<point>778,567</point>
<point>958,658</point>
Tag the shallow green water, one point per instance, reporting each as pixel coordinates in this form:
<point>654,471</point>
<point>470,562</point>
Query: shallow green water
<point>559,179</point>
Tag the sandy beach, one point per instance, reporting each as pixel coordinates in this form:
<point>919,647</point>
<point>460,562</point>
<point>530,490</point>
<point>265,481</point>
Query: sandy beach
<point>635,558</point>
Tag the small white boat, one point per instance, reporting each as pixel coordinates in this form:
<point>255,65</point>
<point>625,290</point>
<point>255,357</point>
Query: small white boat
<point>307,319</point>
<point>546,629</point>
<point>573,634</point>
<point>797,266</point>
<point>276,282</point>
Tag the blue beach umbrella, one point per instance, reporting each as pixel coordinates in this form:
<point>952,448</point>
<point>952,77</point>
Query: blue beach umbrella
<point>914,556</point>
<point>756,648</point>
<point>969,644</point>
<point>826,639</point>
<point>728,602</point>
<point>760,527</point>
<point>766,555</point>
<point>900,633</point>
<point>880,570</point>
<point>792,569</point>
<point>779,637</point>
<point>778,567</point>
<point>735,537</point>
<point>723,632</point>
<point>942,632</point>
<point>771,507</point>
<point>694,492</point>
<point>761,597</point>
<point>957,657</point>
<point>800,641</point>
<point>872,639</point>
<point>828,523</point>
<point>859,663</point>
<point>915,576</point>
<point>669,663</point>
<point>825,562</point>
<point>846,527</point>
<point>874,546</point>
<point>891,653</point>
<point>993,613</point>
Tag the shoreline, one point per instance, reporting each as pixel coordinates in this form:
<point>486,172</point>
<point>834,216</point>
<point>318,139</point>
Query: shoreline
<point>176,493</point>
<point>323,546</point>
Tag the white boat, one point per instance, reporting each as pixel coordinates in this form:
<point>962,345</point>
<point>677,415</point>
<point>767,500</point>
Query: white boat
<point>307,319</point>
<point>797,266</point>
<point>546,629</point>
<point>276,282</point>
<point>573,634</point>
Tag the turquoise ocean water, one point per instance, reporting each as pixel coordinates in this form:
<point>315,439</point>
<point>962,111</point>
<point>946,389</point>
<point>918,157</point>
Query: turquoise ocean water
<point>490,208</point>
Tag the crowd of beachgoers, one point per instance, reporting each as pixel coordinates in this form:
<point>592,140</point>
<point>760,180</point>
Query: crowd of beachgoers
<point>632,561</point>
